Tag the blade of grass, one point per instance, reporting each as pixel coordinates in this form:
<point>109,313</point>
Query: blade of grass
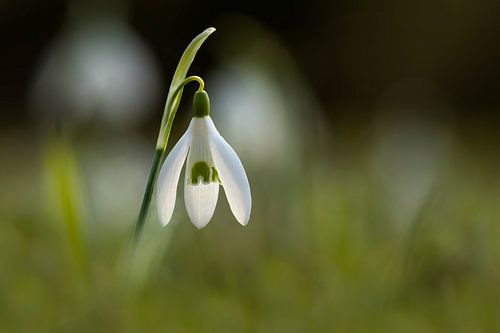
<point>65,178</point>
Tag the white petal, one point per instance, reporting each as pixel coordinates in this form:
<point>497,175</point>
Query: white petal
<point>166,188</point>
<point>232,175</point>
<point>199,149</point>
<point>200,202</point>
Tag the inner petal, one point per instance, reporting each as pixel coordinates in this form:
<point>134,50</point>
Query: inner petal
<point>200,165</point>
<point>200,202</point>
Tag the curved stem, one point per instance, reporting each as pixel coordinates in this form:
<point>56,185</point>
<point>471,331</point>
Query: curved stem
<point>193,78</point>
<point>173,101</point>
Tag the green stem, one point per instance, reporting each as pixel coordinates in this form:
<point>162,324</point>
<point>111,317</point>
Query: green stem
<point>173,101</point>
<point>148,193</point>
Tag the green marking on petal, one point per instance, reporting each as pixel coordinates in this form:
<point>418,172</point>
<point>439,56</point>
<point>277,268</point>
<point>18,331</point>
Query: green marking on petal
<point>215,175</point>
<point>202,169</point>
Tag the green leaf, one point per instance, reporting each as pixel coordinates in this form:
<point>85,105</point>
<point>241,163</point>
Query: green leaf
<point>187,58</point>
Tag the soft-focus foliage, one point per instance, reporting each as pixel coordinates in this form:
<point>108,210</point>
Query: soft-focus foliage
<point>320,253</point>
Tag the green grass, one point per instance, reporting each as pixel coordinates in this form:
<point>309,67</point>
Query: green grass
<point>322,253</point>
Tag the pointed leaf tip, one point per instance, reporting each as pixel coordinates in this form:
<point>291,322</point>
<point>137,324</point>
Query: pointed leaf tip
<point>187,58</point>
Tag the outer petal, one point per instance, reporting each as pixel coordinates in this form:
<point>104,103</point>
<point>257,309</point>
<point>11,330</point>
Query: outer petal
<point>232,175</point>
<point>166,188</point>
<point>200,202</point>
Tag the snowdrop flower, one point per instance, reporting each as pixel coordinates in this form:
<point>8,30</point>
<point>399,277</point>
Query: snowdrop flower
<point>210,162</point>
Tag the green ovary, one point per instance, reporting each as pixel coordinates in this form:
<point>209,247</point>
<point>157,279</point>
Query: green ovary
<point>202,169</point>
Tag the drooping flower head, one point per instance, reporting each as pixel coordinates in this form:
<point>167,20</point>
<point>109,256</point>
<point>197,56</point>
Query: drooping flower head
<point>210,162</point>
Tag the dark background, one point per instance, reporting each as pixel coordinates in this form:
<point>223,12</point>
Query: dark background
<point>348,51</point>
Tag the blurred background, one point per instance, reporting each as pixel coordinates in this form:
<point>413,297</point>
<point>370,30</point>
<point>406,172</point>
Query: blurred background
<point>369,130</point>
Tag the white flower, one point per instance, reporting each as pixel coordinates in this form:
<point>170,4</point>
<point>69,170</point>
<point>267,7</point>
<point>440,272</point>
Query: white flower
<point>210,161</point>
